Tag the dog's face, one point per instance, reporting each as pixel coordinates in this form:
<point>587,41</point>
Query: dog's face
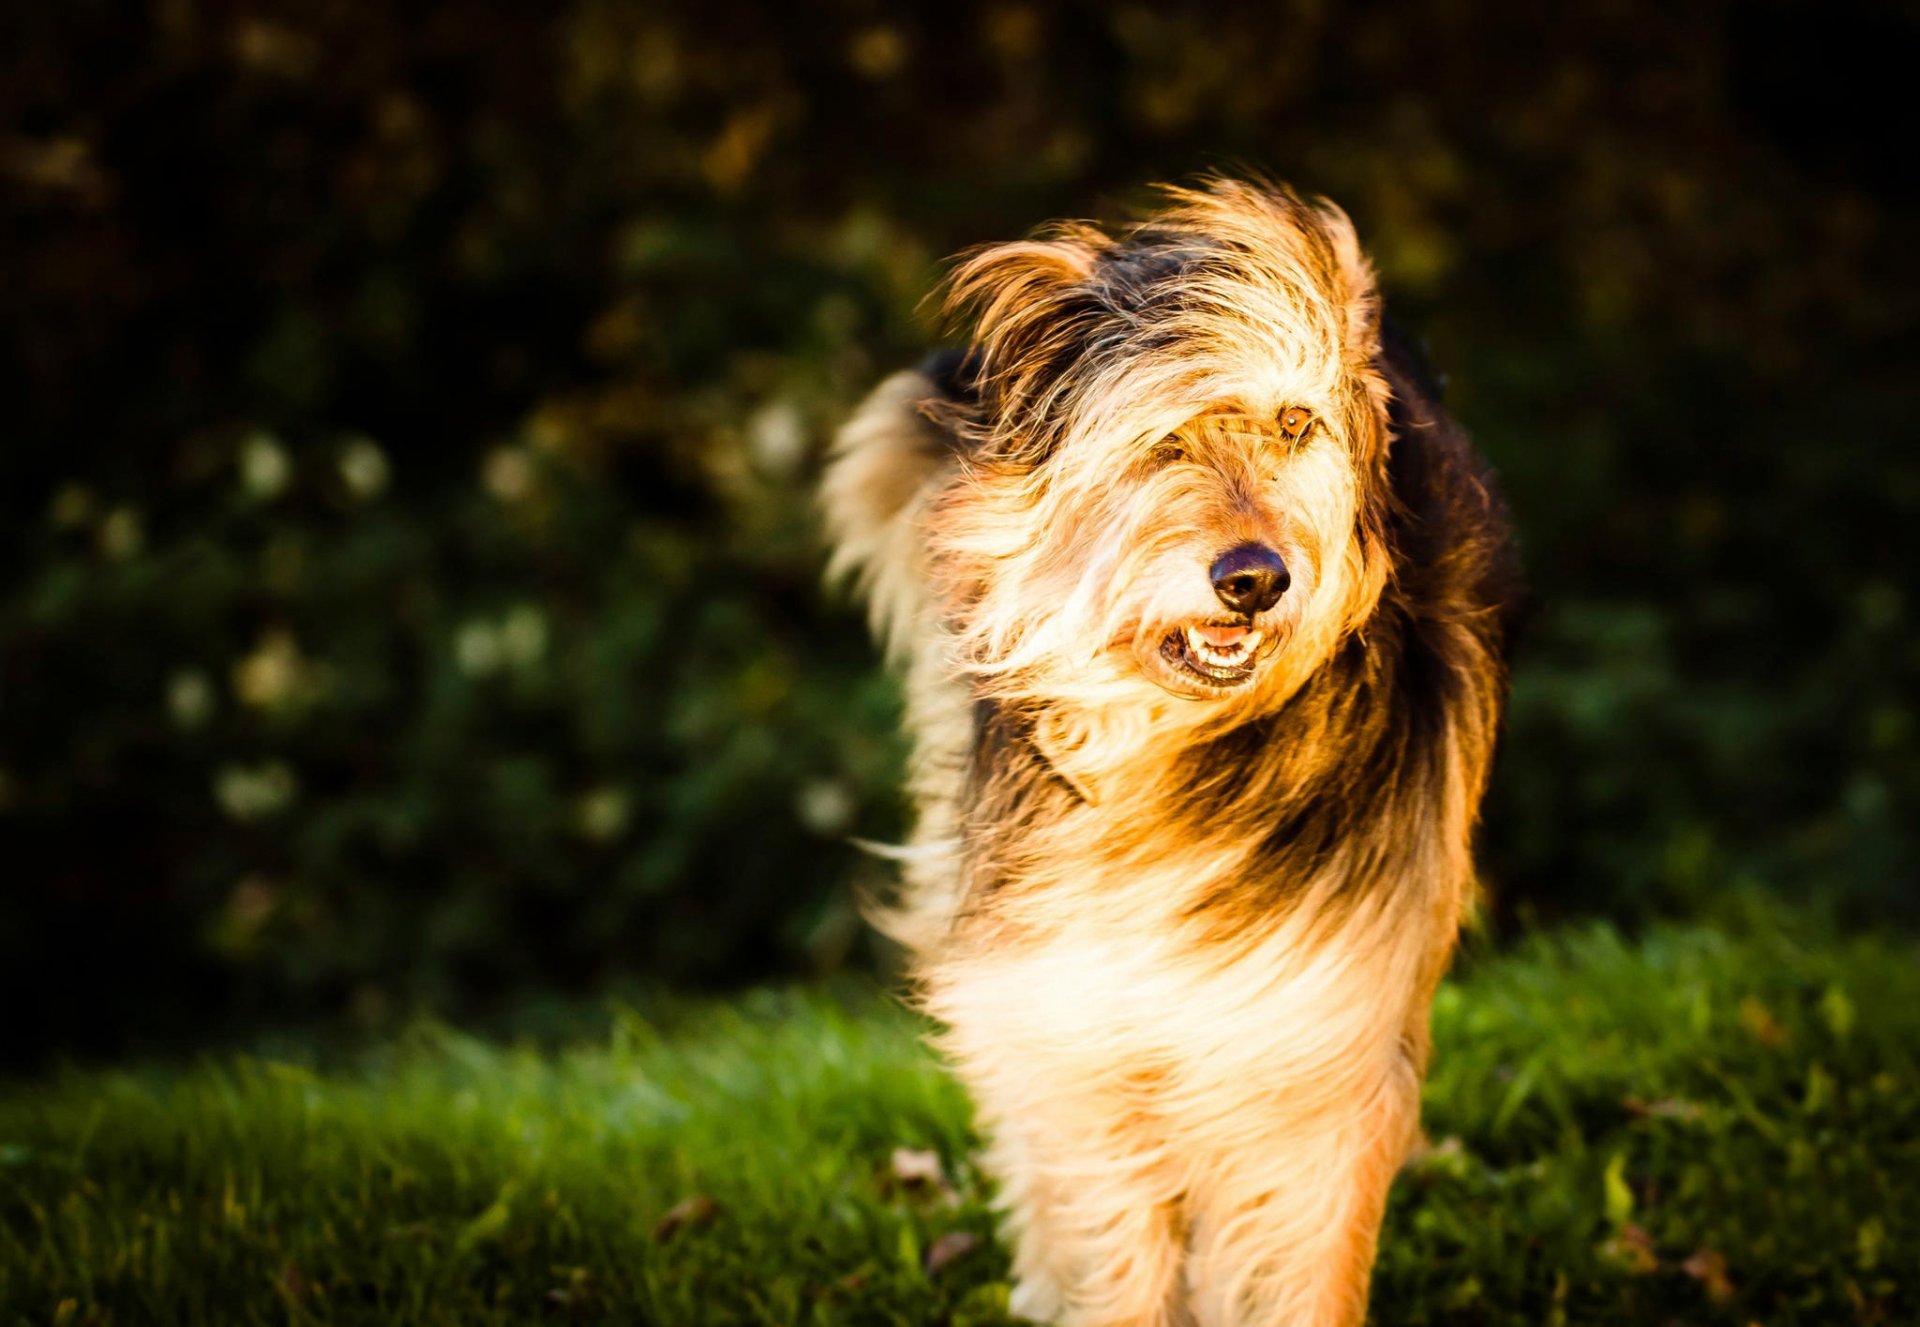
<point>1224,536</point>
<point>1177,486</point>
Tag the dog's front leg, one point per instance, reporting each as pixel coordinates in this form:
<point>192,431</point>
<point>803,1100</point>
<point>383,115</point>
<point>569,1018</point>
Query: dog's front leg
<point>1284,1231</point>
<point>1098,1235</point>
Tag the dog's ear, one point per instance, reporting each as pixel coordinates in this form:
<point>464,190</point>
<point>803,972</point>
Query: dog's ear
<point>1028,309</point>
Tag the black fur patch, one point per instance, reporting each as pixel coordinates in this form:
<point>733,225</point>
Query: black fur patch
<point>954,371</point>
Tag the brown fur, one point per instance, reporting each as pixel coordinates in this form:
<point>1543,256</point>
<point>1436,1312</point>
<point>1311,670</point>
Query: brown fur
<point>1183,936</point>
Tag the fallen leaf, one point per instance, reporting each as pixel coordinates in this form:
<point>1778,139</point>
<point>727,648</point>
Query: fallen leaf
<point>1448,1157</point>
<point>913,1166</point>
<point>1632,1248</point>
<point>694,1210</point>
<point>576,1296</point>
<point>1666,1108</point>
<point>1759,1020</point>
<point>948,1249</point>
<point>1709,1268</point>
<point>917,1171</point>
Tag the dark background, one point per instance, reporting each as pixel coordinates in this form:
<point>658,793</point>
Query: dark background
<point>409,595</point>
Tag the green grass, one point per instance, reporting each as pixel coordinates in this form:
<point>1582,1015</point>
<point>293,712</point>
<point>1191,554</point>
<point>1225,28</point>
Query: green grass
<point>1689,1128</point>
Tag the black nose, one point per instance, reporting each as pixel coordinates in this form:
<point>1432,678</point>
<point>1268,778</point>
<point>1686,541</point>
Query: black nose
<point>1250,579</point>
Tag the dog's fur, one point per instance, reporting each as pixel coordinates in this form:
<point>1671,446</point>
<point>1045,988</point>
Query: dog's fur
<point>1183,935</point>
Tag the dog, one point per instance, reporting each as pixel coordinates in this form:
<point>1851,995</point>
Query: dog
<point>1202,604</point>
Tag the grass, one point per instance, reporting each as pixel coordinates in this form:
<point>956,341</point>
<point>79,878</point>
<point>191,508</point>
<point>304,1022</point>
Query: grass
<point>1693,1127</point>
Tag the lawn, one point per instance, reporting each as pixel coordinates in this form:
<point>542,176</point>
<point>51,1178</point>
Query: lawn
<point>1692,1126</point>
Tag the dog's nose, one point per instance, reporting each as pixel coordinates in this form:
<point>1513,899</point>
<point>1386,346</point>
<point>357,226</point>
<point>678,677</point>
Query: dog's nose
<point>1250,578</point>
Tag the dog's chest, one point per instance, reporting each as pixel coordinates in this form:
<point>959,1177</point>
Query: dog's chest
<point>1119,990</point>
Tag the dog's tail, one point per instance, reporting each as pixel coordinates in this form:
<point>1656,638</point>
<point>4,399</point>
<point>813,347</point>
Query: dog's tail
<point>884,466</point>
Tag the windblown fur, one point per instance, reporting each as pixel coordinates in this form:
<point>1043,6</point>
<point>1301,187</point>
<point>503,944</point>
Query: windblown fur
<point>1181,906</point>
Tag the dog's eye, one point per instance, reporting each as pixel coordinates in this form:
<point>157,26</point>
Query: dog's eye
<point>1295,423</point>
<point>1168,451</point>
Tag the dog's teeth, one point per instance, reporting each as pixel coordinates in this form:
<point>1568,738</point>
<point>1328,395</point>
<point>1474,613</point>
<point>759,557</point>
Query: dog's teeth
<point>1220,657</point>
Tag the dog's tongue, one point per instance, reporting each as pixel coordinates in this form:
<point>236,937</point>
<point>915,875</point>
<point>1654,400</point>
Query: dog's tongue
<point>1221,637</point>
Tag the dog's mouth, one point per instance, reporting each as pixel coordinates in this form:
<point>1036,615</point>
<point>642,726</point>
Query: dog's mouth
<point>1221,654</point>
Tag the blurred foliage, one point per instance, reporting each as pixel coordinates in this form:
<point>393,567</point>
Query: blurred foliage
<point>412,591</point>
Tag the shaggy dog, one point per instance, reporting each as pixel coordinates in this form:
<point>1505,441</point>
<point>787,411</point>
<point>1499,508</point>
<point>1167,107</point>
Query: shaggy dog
<point>1201,601</point>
